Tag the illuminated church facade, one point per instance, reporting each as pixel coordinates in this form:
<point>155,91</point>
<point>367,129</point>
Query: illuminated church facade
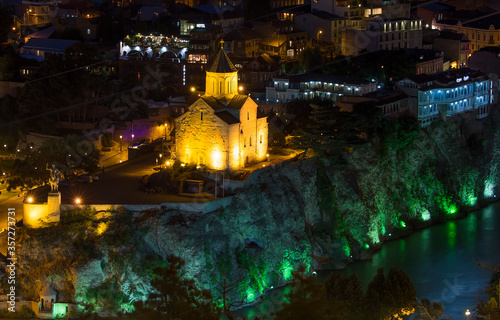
<point>221,130</point>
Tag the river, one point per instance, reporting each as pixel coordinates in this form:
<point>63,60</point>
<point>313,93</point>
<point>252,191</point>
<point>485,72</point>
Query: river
<point>440,261</point>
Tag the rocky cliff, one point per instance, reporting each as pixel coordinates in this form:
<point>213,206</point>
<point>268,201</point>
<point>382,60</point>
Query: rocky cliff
<point>320,212</point>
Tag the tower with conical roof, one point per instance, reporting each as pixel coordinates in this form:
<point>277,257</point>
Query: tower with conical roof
<point>222,77</point>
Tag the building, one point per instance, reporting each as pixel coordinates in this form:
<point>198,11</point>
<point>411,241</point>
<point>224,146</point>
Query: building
<point>322,25</point>
<point>203,41</point>
<point>142,55</point>
<point>308,86</point>
<point>455,46</point>
<point>448,94</point>
<point>284,3</point>
<point>39,48</point>
<point>387,34</point>
<point>221,130</point>
<point>392,103</point>
<point>482,32</point>
<point>243,41</point>
<point>254,73</point>
<point>433,10</point>
<point>426,61</point>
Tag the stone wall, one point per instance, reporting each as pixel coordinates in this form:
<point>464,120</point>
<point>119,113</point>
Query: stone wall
<point>202,138</point>
<point>30,305</point>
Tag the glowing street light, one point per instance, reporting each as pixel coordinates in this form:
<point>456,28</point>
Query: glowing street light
<point>467,314</point>
<point>121,143</point>
<point>30,200</point>
<point>78,200</point>
<point>240,88</point>
<point>192,89</point>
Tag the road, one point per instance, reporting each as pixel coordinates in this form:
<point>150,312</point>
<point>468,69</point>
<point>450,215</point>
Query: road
<point>117,185</point>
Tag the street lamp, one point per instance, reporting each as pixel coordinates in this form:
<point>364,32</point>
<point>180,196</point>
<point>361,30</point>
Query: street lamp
<point>318,34</point>
<point>467,314</point>
<point>121,143</point>
<point>78,200</point>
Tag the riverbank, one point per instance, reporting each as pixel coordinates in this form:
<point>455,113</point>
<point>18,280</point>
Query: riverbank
<point>440,261</point>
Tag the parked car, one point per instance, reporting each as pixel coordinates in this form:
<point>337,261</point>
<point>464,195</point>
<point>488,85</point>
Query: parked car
<point>139,143</point>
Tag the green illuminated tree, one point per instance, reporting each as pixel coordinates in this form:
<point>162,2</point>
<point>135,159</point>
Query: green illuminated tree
<point>176,297</point>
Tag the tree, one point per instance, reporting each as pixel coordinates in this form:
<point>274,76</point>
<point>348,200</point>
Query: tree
<point>374,296</point>
<point>31,172</point>
<point>306,300</point>
<point>400,294</point>
<point>390,296</point>
<point>225,289</point>
<point>310,58</point>
<point>345,294</point>
<point>176,297</point>
<point>427,310</point>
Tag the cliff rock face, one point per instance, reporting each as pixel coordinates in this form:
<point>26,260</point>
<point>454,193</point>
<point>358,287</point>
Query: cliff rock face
<point>320,213</point>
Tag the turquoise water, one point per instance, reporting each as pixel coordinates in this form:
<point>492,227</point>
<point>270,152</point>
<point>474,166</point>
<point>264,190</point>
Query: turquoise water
<point>441,261</point>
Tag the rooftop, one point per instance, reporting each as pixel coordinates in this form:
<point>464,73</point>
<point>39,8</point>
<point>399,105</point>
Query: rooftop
<point>56,45</point>
<point>307,77</point>
<point>222,64</point>
<point>218,104</point>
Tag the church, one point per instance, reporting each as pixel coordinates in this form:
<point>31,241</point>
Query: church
<point>221,130</point>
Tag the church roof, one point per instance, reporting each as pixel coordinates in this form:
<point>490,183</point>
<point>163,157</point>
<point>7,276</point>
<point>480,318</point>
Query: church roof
<point>236,102</point>
<point>222,64</point>
<point>227,117</point>
<point>213,103</point>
